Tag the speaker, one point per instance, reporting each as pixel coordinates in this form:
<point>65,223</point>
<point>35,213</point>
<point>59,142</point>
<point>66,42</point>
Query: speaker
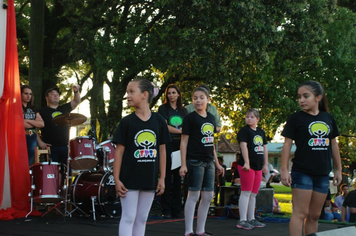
<point>345,231</point>
<point>229,195</point>
<point>264,200</point>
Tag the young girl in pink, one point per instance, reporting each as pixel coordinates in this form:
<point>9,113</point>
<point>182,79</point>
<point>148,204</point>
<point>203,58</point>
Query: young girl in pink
<point>253,146</point>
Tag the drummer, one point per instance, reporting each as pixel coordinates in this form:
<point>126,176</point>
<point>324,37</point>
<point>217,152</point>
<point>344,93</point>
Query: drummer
<point>56,136</point>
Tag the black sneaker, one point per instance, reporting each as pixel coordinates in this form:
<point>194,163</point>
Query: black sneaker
<point>190,234</point>
<point>205,234</point>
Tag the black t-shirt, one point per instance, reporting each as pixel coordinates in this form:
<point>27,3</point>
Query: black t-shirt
<point>255,140</point>
<point>141,139</point>
<point>312,136</point>
<point>53,134</point>
<point>350,201</point>
<point>201,136</point>
<point>28,113</point>
<point>173,117</point>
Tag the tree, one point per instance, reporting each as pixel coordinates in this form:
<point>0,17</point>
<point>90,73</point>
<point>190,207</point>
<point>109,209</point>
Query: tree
<point>251,53</point>
<point>36,48</point>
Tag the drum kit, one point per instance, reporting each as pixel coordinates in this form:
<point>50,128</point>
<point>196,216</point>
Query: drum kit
<point>93,189</point>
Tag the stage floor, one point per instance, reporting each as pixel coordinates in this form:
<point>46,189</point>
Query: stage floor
<point>56,225</point>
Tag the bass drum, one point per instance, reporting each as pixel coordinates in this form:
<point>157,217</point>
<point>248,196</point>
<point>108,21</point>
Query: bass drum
<point>101,187</point>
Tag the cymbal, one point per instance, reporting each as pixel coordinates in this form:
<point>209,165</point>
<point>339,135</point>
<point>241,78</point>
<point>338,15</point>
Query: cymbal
<point>69,119</point>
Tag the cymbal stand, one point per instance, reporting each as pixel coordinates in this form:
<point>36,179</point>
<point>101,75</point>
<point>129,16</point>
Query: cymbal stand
<point>106,152</point>
<point>31,194</point>
<point>66,212</point>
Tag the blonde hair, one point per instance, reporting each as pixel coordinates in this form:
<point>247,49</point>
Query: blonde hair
<point>254,111</point>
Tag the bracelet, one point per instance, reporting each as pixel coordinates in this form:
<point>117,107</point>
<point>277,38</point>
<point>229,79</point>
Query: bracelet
<point>76,91</point>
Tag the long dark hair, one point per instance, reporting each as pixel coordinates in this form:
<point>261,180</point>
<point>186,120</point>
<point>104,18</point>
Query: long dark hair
<point>30,103</point>
<point>317,89</point>
<point>179,100</point>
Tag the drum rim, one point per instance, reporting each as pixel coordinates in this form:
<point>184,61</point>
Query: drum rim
<point>105,142</point>
<point>47,163</point>
<point>81,137</point>
<point>85,157</point>
<point>100,145</point>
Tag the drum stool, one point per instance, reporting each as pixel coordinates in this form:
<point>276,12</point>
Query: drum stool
<point>39,152</point>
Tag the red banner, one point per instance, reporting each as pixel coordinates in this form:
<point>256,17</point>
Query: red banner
<point>13,154</point>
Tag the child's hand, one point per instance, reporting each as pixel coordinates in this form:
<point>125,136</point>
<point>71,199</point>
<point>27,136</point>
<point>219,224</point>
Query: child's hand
<point>160,187</point>
<point>183,170</point>
<point>265,170</point>
<point>246,167</point>
<point>120,189</point>
<point>337,178</point>
<point>286,179</point>
<point>221,170</point>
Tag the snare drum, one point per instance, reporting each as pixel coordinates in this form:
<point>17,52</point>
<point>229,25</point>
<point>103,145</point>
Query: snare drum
<point>82,153</point>
<point>106,148</point>
<point>47,181</point>
<point>101,187</point>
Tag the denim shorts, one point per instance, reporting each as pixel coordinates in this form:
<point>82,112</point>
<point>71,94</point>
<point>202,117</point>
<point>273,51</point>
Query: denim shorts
<point>200,175</point>
<point>309,182</point>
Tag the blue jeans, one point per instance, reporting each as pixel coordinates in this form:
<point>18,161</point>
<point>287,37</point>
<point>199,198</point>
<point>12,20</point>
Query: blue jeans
<point>200,175</point>
<point>332,215</point>
<point>309,182</point>
<point>31,144</point>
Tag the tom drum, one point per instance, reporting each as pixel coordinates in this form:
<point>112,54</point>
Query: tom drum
<point>83,153</point>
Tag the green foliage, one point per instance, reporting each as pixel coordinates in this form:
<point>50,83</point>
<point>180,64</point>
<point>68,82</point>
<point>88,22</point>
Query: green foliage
<point>251,53</point>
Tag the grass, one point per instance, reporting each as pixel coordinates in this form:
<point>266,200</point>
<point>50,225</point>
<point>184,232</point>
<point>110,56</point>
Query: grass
<point>284,196</point>
<point>282,189</point>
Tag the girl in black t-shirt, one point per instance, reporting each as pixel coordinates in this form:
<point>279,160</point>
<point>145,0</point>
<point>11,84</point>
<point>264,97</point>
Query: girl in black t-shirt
<point>140,158</point>
<point>32,121</point>
<point>173,112</point>
<point>198,161</point>
<point>254,158</point>
<point>314,132</point>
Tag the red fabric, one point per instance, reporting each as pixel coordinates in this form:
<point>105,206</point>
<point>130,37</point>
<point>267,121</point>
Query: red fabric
<point>234,165</point>
<point>2,132</point>
<point>12,124</point>
<point>3,100</point>
<point>11,213</point>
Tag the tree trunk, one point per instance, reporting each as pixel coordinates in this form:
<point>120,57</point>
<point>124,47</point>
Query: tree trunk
<point>36,49</point>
